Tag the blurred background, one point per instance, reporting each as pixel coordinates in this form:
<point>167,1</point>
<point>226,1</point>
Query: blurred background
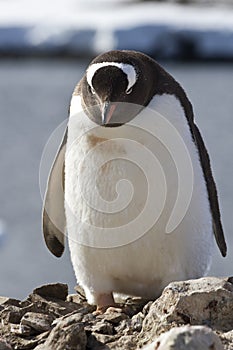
<point>44,50</point>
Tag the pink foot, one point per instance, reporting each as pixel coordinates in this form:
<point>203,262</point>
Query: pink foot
<point>104,302</point>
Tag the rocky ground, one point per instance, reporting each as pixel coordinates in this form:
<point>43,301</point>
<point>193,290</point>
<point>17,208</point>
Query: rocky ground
<point>195,314</point>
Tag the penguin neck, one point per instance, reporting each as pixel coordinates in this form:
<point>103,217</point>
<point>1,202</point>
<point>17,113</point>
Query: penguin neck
<point>166,105</point>
<point>80,124</point>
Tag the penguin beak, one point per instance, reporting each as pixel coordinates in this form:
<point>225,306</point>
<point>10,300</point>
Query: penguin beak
<point>107,112</point>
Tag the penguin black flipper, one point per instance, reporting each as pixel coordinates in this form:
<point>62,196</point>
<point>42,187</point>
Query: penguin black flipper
<point>54,221</point>
<point>169,85</point>
<point>212,190</point>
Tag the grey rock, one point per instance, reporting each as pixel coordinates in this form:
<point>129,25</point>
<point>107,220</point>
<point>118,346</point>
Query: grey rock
<point>68,322</point>
<point>94,344</point>
<point>88,318</point>
<point>11,314</point>
<point>38,322</point>
<point>83,314</point>
<point>146,308</point>
<point>74,298</point>
<point>53,307</point>
<point>230,279</point>
<point>227,339</point>
<point>124,342</point>
<point>23,331</point>
<point>4,345</point>
<point>105,339</point>
<point>41,338</point>
<point>136,322</point>
<point>20,343</point>
<point>80,293</point>
<point>67,334</point>
<point>205,301</point>
<point>124,327</point>
<point>73,317</point>
<point>55,291</point>
<point>86,309</point>
<point>134,305</point>
<point>9,301</point>
<point>113,317</point>
<point>103,328</point>
<point>187,338</point>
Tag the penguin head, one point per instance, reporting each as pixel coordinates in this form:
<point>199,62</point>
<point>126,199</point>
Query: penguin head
<point>115,87</point>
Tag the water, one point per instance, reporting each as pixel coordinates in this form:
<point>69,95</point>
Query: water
<point>34,99</point>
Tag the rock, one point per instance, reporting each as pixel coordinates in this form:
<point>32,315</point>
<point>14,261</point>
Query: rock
<point>55,291</point>
<point>187,338</point>
<point>103,328</point>
<point>51,306</point>
<point>80,293</point>
<point>3,300</point>
<point>75,317</point>
<point>38,322</point>
<point>136,322</point>
<point>124,342</point>
<point>230,279</point>
<point>205,301</point>
<point>104,339</point>
<point>94,344</point>
<point>113,316</point>
<point>67,334</point>
<point>74,298</point>
<point>11,314</point>
<point>9,301</point>
<point>4,345</point>
<point>134,305</point>
<point>24,344</point>
<point>68,322</point>
<point>21,330</point>
<point>227,340</point>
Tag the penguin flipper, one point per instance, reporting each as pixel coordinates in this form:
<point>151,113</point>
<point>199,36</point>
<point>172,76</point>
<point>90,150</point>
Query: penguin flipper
<point>54,221</point>
<point>212,191</point>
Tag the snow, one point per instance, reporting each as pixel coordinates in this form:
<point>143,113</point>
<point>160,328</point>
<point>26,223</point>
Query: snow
<point>90,27</point>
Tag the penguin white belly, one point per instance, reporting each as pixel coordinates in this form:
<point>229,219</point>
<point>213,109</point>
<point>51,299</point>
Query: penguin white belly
<point>108,252</point>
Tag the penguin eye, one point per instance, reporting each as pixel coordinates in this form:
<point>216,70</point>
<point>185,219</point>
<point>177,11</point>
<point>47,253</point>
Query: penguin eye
<point>129,91</point>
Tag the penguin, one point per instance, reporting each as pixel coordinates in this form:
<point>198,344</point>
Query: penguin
<point>118,113</point>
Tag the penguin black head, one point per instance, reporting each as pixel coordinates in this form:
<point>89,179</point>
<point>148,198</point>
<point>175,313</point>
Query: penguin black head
<point>116,86</point>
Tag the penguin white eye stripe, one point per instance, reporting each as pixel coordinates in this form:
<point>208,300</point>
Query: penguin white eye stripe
<point>128,69</point>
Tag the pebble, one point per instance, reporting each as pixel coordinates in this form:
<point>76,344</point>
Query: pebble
<point>38,322</point>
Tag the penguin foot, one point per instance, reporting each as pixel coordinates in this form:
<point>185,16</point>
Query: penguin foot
<point>111,309</point>
<point>104,302</point>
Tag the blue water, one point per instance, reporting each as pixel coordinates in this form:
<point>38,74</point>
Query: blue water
<point>34,99</point>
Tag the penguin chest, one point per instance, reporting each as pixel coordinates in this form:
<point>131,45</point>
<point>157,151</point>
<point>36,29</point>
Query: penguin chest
<point>101,180</point>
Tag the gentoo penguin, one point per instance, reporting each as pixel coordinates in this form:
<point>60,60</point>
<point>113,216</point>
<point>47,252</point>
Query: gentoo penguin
<point>127,117</point>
